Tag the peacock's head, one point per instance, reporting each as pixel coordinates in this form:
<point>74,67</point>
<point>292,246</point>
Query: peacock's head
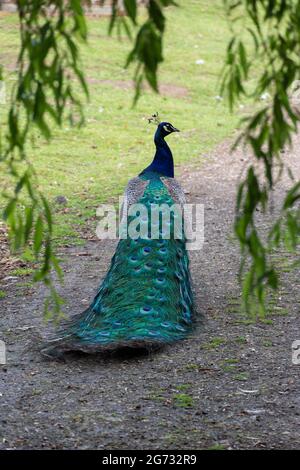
<point>165,128</point>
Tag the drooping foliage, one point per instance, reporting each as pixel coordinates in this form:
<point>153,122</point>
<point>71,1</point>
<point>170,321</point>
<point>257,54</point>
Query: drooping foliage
<point>48,61</point>
<point>273,61</point>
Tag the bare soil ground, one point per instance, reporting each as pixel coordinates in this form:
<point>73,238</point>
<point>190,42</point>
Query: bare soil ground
<point>165,89</point>
<point>230,386</point>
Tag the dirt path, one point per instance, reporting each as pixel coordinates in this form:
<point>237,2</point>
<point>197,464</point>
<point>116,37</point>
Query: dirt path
<point>231,386</point>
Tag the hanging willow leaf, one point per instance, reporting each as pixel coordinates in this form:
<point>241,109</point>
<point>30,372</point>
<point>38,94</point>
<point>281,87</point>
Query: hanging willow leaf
<point>274,29</point>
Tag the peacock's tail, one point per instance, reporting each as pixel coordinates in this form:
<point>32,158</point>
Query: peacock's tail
<point>145,299</point>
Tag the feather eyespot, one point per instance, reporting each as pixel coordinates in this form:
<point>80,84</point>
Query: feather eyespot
<point>146,309</point>
<point>161,270</point>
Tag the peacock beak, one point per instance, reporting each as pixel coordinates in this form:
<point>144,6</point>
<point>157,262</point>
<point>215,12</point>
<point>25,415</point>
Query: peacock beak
<point>175,129</point>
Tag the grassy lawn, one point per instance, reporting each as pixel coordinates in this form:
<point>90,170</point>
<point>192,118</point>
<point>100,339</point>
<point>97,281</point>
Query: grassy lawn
<point>92,165</point>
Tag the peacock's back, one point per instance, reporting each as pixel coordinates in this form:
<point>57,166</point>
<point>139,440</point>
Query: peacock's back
<point>145,299</point>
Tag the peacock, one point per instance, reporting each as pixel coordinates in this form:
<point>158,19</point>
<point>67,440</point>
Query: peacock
<point>145,300</point>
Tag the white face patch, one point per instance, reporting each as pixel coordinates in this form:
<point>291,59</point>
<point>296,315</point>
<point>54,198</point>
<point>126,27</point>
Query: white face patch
<point>166,129</point>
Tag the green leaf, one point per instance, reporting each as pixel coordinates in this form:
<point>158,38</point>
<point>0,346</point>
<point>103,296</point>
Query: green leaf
<point>131,9</point>
<point>243,59</point>
<point>292,196</point>
<point>29,212</point>
<point>38,235</point>
<point>156,14</point>
<point>9,209</point>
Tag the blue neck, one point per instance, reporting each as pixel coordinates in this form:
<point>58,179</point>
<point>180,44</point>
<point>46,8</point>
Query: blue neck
<point>163,159</point>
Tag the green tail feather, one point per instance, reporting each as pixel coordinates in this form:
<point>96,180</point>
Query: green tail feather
<point>145,299</point>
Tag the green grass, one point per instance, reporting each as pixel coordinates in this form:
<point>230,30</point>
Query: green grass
<point>180,399</point>
<point>191,366</point>
<point>216,447</point>
<point>274,307</point>
<point>92,165</point>
<point>2,294</point>
<point>242,377</point>
<point>214,343</point>
<point>231,361</point>
<point>183,387</point>
<point>229,365</point>
<point>22,271</point>
<point>183,400</point>
<point>241,339</point>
